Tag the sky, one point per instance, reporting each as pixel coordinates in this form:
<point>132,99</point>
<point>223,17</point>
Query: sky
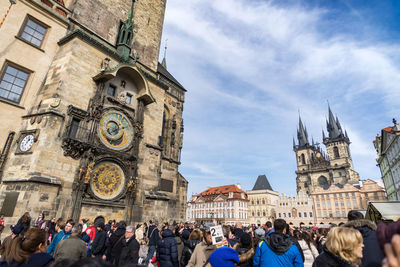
<point>251,67</point>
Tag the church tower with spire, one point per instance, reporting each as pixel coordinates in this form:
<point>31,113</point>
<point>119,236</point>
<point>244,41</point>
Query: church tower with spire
<point>317,168</point>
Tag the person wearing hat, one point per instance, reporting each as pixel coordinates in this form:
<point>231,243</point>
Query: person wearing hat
<point>115,243</point>
<point>224,257</point>
<point>15,231</point>
<point>203,251</point>
<point>245,250</point>
<point>99,242</point>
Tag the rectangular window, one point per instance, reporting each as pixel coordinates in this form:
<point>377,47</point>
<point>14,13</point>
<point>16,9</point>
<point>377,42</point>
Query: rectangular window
<point>9,204</point>
<point>338,214</point>
<point>336,203</point>
<point>310,214</point>
<point>355,203</point>
<point>305,214</point>
<point>375,194</point>
<point>73,128</point>
<point>33,32</point>
<point>353,194</point>
<point>318,205</point>
<point>348,203</point>
<point>13,83</point>
<point>289,214</point>
<point>347,194</point>
<point>325,214</point>
<point>330,214</point>
<point>319,213</point>
<point>111,90</point>
<point>300,214</point>
<point>343,214</point>
<point>128,98</point>
<point>342,203</point>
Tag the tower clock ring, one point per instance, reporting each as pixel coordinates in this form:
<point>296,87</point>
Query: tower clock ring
<point>107,180</point>
<point>115,130</point>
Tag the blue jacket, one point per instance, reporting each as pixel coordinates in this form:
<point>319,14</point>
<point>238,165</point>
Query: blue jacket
<point>277,250</point>
<point>60,236</point>
<point>167,250</point>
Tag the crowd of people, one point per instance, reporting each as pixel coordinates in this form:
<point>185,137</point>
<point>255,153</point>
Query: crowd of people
<point>53,243</point>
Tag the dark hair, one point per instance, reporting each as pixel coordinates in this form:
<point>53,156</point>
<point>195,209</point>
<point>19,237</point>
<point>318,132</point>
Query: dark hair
<point>25,218</point>
<point>268,224</point>
<point>279,225</point>
<point>322,232</point>
<point>89,262</point>
<point>22,248</point>
<point>122,224</point>
<point>307,237</point>
<point>71,222</point>
<point>355,215</point>
<point>297,235</point>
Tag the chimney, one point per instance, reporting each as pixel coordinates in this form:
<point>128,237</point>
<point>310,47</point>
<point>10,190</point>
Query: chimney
<point>239,186</point>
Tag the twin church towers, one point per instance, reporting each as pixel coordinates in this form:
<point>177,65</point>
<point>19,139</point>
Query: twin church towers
<point>315,167</point>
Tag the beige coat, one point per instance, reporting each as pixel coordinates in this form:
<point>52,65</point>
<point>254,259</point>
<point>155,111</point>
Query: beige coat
<point>201,254</point>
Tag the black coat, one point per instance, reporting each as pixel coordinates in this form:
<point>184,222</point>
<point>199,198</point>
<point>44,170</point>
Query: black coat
<point>245,255</point>
<point>129,252</point>
<point>115,245</point>
<point>99,243</point>
<point>153,235</point>
<point>327,259</point>
<point>167,250</point>
<point>36,260</point>
<point>372,253</point>
<point>189,246</point>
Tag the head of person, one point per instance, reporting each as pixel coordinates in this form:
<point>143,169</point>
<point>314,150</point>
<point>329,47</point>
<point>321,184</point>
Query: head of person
<point>22,249</point>
<point>195,235</point>
<point>354,215</point>
<point>53,219</point>
<point>129,232</point>
<point>100,226</point>
<point>280,226</point>
<point>68,226</point>
<point>60,226</point>
<point>207,233</point>
<point>41,216</point>
<point>268,225</point>
<point>238,225</point>
<point>76,229</point>
<point>224,257</point>
<point>346,243</point>
<point>25,218</point>
<point>246,241</point>
<point>321,232</point>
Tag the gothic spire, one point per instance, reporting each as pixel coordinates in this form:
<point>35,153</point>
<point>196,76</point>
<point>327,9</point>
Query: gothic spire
<point>125,35</point>
<point>332,126</point>
<point>302,136</point>
<point>164,61</point>
<point>323,135</point>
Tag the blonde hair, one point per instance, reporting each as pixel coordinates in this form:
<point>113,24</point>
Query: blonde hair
<point>343,241</point>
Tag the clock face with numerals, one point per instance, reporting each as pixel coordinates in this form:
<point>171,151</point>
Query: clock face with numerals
<point>115,130</point>
<point>26,143</point>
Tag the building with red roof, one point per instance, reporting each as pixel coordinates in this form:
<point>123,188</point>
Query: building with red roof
<point>226,204</point>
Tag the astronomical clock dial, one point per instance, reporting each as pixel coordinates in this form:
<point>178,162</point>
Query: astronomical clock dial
<point>115,130</point>
<point>27,143</point>
<point>107,180</point>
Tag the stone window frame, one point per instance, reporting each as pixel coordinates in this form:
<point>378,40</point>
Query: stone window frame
<point>19,68</point>
<point>39,23</point>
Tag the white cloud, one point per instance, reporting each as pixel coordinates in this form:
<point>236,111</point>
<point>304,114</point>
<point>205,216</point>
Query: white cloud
<point>250,65</point>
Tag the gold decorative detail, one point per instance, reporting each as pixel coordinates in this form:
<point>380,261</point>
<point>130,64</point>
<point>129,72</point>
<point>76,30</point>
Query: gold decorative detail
<point>55,103</point>
<point>88,172</point>
<point>115,130</point>
<point>107,180</point>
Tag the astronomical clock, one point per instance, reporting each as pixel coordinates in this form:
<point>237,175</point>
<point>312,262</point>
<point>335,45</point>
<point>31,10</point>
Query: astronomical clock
<point>105,138</point>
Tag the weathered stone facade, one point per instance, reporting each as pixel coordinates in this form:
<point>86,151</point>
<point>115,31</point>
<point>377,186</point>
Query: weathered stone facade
<point>105,116</point>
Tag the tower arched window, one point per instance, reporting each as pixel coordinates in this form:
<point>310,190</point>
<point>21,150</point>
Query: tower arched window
<point>303,159</point>
<point>336,152</point>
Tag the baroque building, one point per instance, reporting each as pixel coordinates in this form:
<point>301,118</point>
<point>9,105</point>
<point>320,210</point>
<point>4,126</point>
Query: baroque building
<point>333,203</point>
<point>262,202</point>
<point>317,168</point>
<point>92,122</point>
<point>387,147</point>
<point>227,204</point>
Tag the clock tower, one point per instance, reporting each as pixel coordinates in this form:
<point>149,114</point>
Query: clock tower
<point>104,133</point>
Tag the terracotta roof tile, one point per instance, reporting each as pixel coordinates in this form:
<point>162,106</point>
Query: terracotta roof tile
<point>388,129</point>
<point>223,190</point>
